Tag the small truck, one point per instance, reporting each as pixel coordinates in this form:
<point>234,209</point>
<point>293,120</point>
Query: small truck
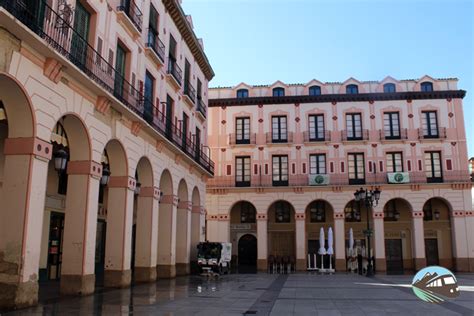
<point>214,256</point>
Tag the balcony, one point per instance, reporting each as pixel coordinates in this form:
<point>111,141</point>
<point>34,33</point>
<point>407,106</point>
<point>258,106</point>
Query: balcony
<point>362,135</point>
<point>251,140</point>
<point>304,180</point>
<point>69,44</point>
<point>130,16</point>
<point>189,94</point>
<point>403,135</point>
<point>440,133</point>
<point>174,73</point>
<point>201,109</point>
<point>279,139</point>
<point>155,49</point>
<point>315,138</point>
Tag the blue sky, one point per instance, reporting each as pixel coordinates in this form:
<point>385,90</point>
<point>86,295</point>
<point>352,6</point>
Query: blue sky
<point>261,41</point>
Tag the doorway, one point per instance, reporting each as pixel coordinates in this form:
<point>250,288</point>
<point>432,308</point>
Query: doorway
<point>431,252</point>
<point>55,246</point>
<point>247,254</point>
<point>394,256</point>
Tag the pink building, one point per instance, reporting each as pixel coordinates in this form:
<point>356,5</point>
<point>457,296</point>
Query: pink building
<point>290,157</point>
<point>103,134</point>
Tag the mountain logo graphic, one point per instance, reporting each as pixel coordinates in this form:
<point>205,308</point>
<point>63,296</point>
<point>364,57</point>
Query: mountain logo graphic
<point>435,284</point>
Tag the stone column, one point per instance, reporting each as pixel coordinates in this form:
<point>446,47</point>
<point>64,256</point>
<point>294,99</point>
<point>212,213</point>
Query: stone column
<point>262,241</point>
<point>300,231</point>
<point>340,242</point>
<point>80,228</point>
<point>166,267</point>
<point>378,241</point>
<point>460,241</point>
<point>469,220</point>
<point>418,240</point>
<point>197,236</point>
<point>22,197</point>
<point>224,227</point>
<point>146,236</point>
<point>212,227</point>
<point>183,238</point>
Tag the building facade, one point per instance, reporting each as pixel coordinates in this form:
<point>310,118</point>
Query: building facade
<point>103,142</point>
<point>289,159</point>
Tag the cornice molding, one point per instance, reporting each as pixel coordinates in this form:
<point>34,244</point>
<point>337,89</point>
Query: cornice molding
<point>179,18</point>
<point>361,97</point>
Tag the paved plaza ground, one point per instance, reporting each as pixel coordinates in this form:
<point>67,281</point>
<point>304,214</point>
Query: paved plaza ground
<point>263,294</point>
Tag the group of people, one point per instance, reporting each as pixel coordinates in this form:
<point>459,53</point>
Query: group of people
<point>357,260</point>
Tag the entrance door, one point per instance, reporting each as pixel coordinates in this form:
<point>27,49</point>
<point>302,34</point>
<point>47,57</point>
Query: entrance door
<point>100,251</point>
<point>431,252</point>
<point>120,74</point>
<point>247,253</point>
<point>80,36</point>
<point>55,245</point>
<point>393,254</point>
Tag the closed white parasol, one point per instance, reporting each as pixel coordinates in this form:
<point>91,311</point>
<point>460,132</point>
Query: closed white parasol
<point>322,250</point>
<point>330,251</point>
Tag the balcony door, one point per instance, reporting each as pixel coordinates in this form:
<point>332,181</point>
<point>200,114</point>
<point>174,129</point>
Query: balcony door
<point>169,116</point>
<point>120,71</point>
<point>242,130</point>
<point>198,143</point>
<point>279,129</point>
<point>185,129</point>
<point>32,13</point>
<point>391,125</point>
<point>80,36</point>
<point>280,170</point>
<point>242,171</point>
<point>148,105</point>
<point>354,126</point>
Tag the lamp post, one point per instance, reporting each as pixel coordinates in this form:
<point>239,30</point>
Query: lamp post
<point>60,160</point>
<point>369,197</point>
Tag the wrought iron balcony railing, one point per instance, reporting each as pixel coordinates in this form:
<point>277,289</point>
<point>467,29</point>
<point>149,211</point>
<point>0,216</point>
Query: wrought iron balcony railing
<point>174,70</point>
<point>61,36</point>
<point>274,138</point>
<point>354,135</point>
<point>133,12</point>
<point>386,135</point>
<point>440,133</point>
<point>325,136</point>
<point>241,140</point>
<point>156,44</point>
<point>189,91</point>
<point>201,107</point>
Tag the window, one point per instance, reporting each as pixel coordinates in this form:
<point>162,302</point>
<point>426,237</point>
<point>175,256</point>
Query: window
<point>242,130</point>
<point>317,164</point>
<point>148,102</point>
<point>242,171</point>
<point>279,131</point>
<point>389,88</point>
<point>280,170</point>
<point>278,92</point>
<point>153,26</point>
<point>394,162</point>
<point>433,170</point>
<point>429,124</point>
<point>391,125</point>
<point>356,168</point>
<point>354,126</point>
<point>352,89</point>
<point>247,213</point>
<point>317,212</point>
<point>426,86</point>
<point>315,90</point>
<point>316,127</point>
<point>242,93</point>
<point>282,212</point>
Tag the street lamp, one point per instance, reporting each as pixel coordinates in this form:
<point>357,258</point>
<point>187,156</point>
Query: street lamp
<point>369,197</point>
<point>60,160</point>
<point>104,180</point>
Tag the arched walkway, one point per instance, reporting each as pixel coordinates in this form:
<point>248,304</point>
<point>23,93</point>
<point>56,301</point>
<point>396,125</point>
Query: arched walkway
<point>183,235</point>
<point>355,214</point>
<point>281,231</point>
<point>197,227</point>
<point>319,214</point>
<point>166,267</point>
<point>243,216</point>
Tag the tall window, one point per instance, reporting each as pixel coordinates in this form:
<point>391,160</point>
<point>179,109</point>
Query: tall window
<point>391,125</point>
<point>242,130</point>
<point>280,170</point>
<point>279,129</point>
<point>242,171</point>
<point>282,212</point>
<point>148,102</point>
<point>314,90</point>
<point>354,126</point>
<point>153,26</point>
<point>317,164</point>
<point>430,124</point>
<point>389,87</point>
<point>316,127</point>
<point>395,162</point>
<point>356,168</point>
<point>433,170</point>
<point>278,92</point>
<point>352,89</point>
<point>242,93</point>
<point>426,86</point>
<point>317,211</point>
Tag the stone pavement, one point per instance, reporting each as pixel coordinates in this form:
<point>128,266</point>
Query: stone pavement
<point>262,294</point>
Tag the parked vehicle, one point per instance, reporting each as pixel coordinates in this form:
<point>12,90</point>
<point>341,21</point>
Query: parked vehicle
<point>214,255</point>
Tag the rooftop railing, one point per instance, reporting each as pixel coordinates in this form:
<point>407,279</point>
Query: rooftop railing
<point>62,37</point>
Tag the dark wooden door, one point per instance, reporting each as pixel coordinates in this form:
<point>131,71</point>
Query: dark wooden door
<point>55,246</point>
<point>394,256</point>
<point>431,251</point>
<point>80,36</point>
<point>247,251</point>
